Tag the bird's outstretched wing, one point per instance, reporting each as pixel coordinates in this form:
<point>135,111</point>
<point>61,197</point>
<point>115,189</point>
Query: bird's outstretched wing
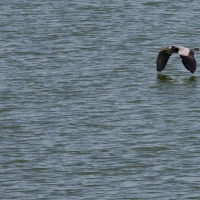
<point>162,59</point>
<point>189,61</point>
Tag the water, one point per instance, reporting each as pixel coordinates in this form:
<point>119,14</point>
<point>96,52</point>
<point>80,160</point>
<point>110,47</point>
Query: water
<point>84,113</point>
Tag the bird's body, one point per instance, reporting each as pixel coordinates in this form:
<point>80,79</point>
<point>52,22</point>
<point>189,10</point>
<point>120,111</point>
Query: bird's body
<point>186,54</point>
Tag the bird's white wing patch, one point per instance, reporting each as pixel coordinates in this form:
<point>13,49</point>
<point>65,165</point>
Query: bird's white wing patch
<point>183,51</point>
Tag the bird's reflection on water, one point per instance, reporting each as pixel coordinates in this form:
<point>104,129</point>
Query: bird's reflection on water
<point>173,83</point>
<point>164,78</point>
<point>190,80</point>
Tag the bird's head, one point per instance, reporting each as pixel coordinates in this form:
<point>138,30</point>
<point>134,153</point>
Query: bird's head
<point>196,49</point>
<point>171,49</point>
<point>167,48</point>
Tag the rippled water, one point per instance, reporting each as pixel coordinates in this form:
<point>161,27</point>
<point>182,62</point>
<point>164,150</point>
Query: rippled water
<point>84,113</point>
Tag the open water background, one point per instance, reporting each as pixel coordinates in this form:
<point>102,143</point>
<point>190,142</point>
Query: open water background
<point>84,113</point>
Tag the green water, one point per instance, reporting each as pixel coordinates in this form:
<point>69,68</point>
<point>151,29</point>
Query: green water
<point>84,113</point>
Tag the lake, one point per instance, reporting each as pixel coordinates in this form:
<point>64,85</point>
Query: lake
<point>84,114</point>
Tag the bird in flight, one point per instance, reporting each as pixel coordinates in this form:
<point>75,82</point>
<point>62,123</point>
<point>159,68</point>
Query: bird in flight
<point>185,53</point>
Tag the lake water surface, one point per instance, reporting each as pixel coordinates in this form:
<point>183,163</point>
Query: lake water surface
<point>83,112</point>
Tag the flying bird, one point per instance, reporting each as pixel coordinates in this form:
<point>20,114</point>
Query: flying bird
<point>185,53</point>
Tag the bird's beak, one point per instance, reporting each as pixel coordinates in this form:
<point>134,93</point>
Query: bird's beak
<point>164,49</point>
<point>197,49</point>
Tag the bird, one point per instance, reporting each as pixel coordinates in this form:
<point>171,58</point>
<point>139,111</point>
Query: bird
<point>185,53</point>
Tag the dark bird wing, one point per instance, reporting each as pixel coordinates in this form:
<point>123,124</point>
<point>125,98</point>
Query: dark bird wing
<point>162,59</point>
<point>189,61</point>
